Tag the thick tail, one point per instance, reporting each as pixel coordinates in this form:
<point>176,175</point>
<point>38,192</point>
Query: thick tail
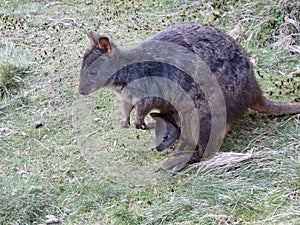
<point>271,108</point>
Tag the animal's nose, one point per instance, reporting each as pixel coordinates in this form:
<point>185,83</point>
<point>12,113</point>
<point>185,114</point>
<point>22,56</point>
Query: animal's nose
<point>159,148</point>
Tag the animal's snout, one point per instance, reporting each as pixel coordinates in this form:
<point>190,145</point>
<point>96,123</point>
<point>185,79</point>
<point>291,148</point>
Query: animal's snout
<point>82,91</point>
<point>160,147</point>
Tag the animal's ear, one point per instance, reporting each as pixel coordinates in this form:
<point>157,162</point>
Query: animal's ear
<point>92,37</point>
<point>105,44</point>
<point>102,42</point>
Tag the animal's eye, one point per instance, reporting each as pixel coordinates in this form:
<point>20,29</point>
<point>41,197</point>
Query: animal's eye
<point>165,137</point>
<point>93,72</point>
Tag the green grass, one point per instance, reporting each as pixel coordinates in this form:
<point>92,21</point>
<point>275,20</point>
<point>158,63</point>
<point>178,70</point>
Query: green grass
<point>14,66</point>
<point>83,168</point>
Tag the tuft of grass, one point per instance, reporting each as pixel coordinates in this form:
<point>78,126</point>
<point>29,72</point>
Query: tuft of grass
<point>14,66</point>
<point>22,202</point>
<point>11,79</point>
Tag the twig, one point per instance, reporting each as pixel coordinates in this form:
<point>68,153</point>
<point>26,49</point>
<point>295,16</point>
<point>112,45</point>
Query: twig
<point>91,134</point>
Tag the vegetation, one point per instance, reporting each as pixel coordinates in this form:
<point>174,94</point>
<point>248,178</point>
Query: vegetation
<point>14,65</point>
<point>83,168</point>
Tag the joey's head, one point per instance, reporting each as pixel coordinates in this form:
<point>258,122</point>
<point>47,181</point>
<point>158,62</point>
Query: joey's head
<point>96,62</point>
<point>166,133</point>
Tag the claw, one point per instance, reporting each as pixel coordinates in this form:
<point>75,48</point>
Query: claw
<point>145,126</point>
<point>140,123</point>
<point>142,126</point>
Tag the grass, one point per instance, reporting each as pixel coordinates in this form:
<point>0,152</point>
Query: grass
<point>247,192</point>
<point>81,167</point>
<point>14,66</point>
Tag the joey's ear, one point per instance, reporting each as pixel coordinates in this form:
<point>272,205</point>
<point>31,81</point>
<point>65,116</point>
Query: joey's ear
<point>93,37</point>
<point>164,118</point>
<point>105,44</point>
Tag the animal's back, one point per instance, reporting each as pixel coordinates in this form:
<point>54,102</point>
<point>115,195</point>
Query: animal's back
<point>228,62</point>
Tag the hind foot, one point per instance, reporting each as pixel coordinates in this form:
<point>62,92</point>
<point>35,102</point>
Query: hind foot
<point>176,165</point>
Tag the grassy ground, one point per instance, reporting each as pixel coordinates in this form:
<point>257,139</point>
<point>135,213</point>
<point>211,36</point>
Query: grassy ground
<point>81,167</point>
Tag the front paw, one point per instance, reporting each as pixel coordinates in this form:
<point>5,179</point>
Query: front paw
<point>140,125</point>
<point>125,123</point>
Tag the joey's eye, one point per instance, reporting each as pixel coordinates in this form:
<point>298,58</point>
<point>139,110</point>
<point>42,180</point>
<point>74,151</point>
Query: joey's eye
<point>165,137</point>
<point>93,72</point>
